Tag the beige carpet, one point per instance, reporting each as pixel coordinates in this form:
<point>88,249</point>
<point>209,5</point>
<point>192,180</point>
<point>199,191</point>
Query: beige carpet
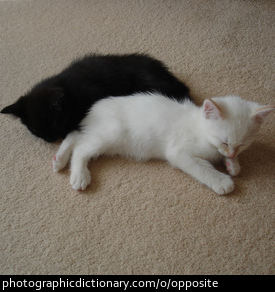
<point>137,218</point>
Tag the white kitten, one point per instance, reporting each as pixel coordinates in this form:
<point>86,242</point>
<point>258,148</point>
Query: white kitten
<point>147,126</point>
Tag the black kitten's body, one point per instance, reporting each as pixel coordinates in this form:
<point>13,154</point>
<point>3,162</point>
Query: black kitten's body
<point>56,106</point>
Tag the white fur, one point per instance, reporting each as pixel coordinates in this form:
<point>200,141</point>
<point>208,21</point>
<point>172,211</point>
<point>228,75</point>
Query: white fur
<point>145,126</point>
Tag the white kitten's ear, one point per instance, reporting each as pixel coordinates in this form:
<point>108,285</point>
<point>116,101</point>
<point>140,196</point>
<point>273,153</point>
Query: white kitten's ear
<point>211,110</point>
<point>262,113</point>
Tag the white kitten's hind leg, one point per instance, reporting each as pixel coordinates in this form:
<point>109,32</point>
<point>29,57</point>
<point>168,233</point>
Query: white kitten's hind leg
<point>232,165</point>
<point>204,172</point>
<point>80,174</point>
<point>80,179</point>
<point>64,152</point>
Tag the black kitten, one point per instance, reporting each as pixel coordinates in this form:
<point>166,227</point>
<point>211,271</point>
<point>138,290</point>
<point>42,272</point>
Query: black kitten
<point>55,106</point>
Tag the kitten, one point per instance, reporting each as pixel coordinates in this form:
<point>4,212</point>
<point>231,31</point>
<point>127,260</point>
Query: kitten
<point>56,106</point>
<point>147,126</point>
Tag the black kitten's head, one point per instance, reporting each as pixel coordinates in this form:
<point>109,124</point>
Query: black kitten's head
<point>42,111</point>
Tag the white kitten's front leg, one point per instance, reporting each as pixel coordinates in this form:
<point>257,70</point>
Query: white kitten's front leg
<point>64,152</point>
<point>232,165</point>
<point>203,171</point>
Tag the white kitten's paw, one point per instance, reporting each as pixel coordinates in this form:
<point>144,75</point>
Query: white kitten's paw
<point>223,185</point>
<point>232,166</point>
<point>58,163</point>
<point>80,180</point>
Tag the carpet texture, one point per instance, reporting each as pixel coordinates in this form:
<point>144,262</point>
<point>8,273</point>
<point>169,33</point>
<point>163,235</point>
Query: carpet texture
<point>137,218</point>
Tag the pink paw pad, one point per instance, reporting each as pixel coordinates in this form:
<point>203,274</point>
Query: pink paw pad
<point>228,164</point>
<point>54,158</point>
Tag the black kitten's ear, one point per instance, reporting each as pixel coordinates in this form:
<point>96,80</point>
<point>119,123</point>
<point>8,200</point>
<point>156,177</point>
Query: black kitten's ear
<point>15,109</point>
<point>58,98</point>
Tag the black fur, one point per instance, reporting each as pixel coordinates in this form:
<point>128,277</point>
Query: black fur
<point>55,106</point>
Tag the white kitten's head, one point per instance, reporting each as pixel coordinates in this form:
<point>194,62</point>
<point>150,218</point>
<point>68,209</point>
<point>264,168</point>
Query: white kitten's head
<point>233,123</point>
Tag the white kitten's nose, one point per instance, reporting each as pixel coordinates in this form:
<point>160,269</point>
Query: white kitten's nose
<point>231,152</point>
